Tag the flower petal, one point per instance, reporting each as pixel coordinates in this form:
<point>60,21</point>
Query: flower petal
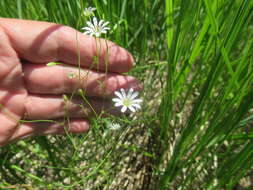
<point>106,28</point>
<point>117,104</point>
<point>101,23</point>
<point>132,108</point>
<point>134,95</point>
<point>88,33</point>
<point>95,21</point>
<point>117,93</point>
<point>123,92</point>
<point>116,100</point>
<point>136,106</point>
<point>106,23</point>
<point>123,109</point>
<point>89,24</point>
<point>130,92</point>
<point>87,29</point>
<point>137,100</point>
<point>104,31</point>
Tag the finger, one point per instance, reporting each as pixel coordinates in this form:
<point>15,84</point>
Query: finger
<point>45,128</point>
<point>8,60</point>
<point>12,93</point>
<point>41,42</point>
<point>52,107</point>
<point>66,79</point>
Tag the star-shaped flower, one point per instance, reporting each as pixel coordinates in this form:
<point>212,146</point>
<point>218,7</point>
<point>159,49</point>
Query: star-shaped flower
<point>96,28</point>
<point>114,126</point>
<point>127,100</point>
<point>89,11</point>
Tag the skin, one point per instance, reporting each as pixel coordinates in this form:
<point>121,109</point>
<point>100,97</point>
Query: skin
<point>29,89</point>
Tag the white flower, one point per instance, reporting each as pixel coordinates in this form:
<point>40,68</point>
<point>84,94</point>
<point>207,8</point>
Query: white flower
<point>89,11</point>
<point>114,126</point>
<point>127,100</point>
<point>96,28</point>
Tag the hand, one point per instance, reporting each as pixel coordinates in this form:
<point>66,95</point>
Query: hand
<point>29,89</point>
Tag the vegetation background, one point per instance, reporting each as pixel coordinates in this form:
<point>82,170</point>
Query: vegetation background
<point>194,58</point>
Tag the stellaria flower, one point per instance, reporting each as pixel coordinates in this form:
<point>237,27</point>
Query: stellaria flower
<point>127,100</point>
<point>96,28</point>
<point>114,126</point>
<point>89,11</point>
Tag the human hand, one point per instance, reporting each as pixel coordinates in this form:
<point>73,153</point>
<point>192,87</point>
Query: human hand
<point>31,90</point>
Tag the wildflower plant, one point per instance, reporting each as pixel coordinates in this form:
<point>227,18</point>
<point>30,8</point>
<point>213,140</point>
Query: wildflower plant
<point>95,28</point>
<point>195,59</point>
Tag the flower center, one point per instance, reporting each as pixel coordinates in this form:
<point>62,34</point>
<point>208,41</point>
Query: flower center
<point>97,29</point>
<point>127,102</point>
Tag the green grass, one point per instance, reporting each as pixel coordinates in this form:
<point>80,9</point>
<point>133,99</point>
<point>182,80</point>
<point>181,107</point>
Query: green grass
<point>195,61</point>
